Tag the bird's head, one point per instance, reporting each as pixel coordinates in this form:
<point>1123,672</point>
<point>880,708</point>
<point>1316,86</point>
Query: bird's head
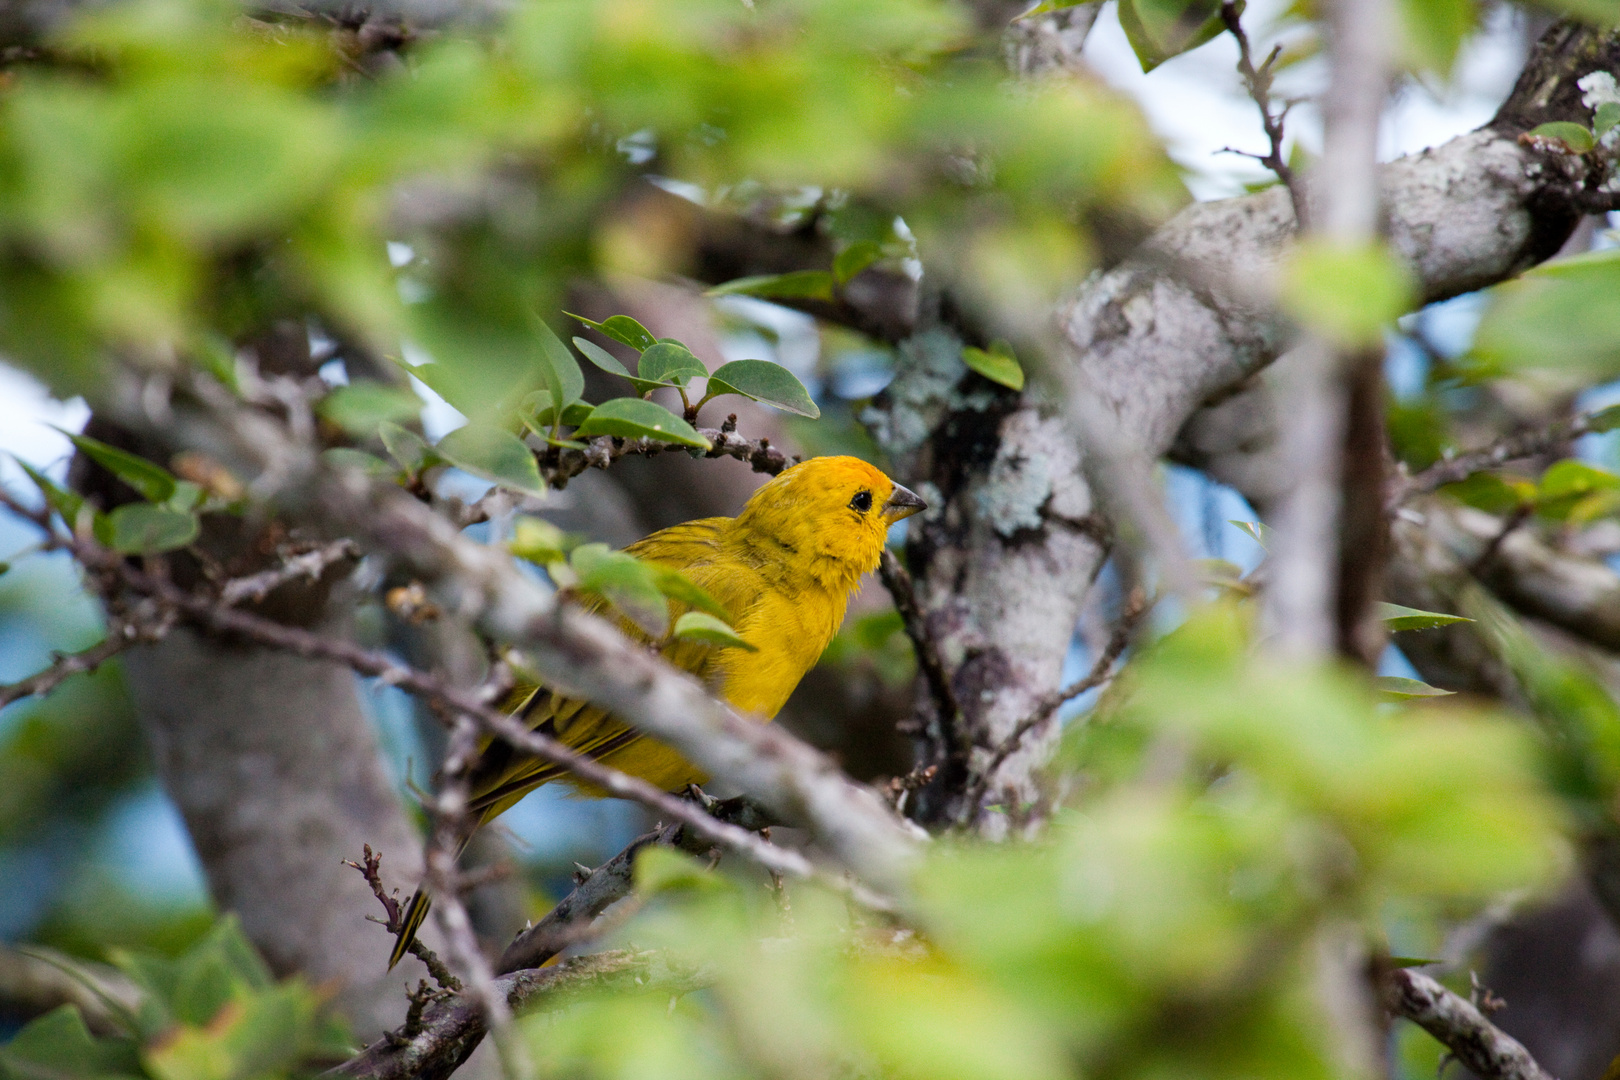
<point>830,515</point>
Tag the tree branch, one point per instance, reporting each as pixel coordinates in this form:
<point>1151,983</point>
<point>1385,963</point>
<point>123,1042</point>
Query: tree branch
<point>1554,437</point>
<point>1258,83</point>
<point>1486,1050</point>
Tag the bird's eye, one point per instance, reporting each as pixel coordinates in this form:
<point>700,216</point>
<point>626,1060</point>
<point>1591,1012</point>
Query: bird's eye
<point>862,501</point>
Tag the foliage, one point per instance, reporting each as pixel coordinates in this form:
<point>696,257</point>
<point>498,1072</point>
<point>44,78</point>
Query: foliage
<point>212,1013</point>
<point>1228,816</point>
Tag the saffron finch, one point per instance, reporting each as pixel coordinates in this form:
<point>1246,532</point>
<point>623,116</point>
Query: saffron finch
<point>784,568</point>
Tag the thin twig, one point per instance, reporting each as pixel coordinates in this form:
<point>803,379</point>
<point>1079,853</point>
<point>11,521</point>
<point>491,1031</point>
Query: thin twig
<point>121,635</point>
<point>1258,82</point>
<point>898,581</point>
<point>370,869</point>
<point>1525,444</point>
<point>1487,1050</point>
<point>308,564</point>
<point>1101,672</point>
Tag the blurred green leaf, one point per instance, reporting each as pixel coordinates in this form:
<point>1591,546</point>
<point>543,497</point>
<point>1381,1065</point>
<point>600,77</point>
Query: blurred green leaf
<point>1350,295</point>
<point>564,380</point>
<point>621,328</point>
<point>1492,493</point>
<point>406,447</point>
<point>58,1045</point>
<point>1161,29</point>
<point>1401,689</point>
<point>153,482</point>
<point>147,529</point>
<point>1604,420</point>
<point>1396,618</point>
<point>1577,137</point>
<point>998,364</point>
<point>632,418</point>
<point>64,502</point>
<point>1566,484</point>
<point>494,454</point>
<point>1605,118</point>
<point>626,582</point>
<point>761,380</point>
<point>1257,531</point>
<point>677,586</point>
<point>855,258</point>
<point>1433,31</point>
<point>1560,314</point>
<point>537,540</point>
<point>668,363</point>
<point>346,457</point>
<point>701,626</point>
<point>364,405</point>
<point>797,285</point>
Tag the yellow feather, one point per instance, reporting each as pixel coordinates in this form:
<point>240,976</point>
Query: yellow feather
<point>784,569</point>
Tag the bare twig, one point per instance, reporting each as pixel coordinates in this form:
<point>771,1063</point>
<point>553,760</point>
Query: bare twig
<point>308,564</point>
<point>559,465</point>
<point>1258,82</point>
<point>1101,672</point>
<point>370,869</point>
<point>451,826</point>
<point>1487,1050</point>
<point>896,579</point>
<point>64,666</point>
<point>1521,445</point>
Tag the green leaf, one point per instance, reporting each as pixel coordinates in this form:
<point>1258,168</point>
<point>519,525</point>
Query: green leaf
<point>495,454</point>
<point>1568,483</point>
<point>538,417</point>
<point>625,581</point>
<point>1604,420</point>
<point>147,529</point>
<point>154,482</point>
<point>1348,294</point>
<point>1433,30</point>
<point>64,502</point>
<point>1161,29</point>
<point>59,1045</point>
<point>1397,618</point>
<point>761,380</point>
<point>797,285</point>
<point>362,406</point>
<point>855,258</point>
<point>661,869</point>
<point>1258,531</point>
<point>669,363</point>
<point>1401,689</point>
<point>564,379</point>
<point>677,586</point>
<point>602,358</point>
<point>1560,314</point>
<point>346,457</point>
<point>406,447</point>
<point>1492,493</point>
<point>536,540</point>
<point>620,328</point>
<point>1605,118</point>
<point>701,626</point>
<point>1577,137</point>
<point>998,364</point>
<point>632,418</point>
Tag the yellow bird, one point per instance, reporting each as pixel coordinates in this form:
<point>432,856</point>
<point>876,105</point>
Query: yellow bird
<point>784,568</point>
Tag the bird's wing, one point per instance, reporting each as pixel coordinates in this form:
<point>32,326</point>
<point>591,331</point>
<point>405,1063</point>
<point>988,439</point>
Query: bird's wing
<point>503,775</point>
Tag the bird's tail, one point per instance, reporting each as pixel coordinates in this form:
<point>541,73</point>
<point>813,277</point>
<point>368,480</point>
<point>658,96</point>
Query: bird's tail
<point>415,912</point>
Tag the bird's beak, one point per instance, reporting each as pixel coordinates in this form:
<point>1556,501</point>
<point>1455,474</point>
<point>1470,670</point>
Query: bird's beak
<point>902,504</point>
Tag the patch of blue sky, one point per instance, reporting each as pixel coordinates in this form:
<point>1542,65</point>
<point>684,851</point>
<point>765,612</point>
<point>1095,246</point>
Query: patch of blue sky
<point>553,825</point>
<point>144,846</point>
<point>29,877</point>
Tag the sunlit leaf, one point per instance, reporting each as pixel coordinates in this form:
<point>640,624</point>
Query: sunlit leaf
<point>629,584</point>
<point>764,381</point>
<point>1349,295</point>
<point>677,586</point>
<point>1577,137</point>
<point>998,364</point>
